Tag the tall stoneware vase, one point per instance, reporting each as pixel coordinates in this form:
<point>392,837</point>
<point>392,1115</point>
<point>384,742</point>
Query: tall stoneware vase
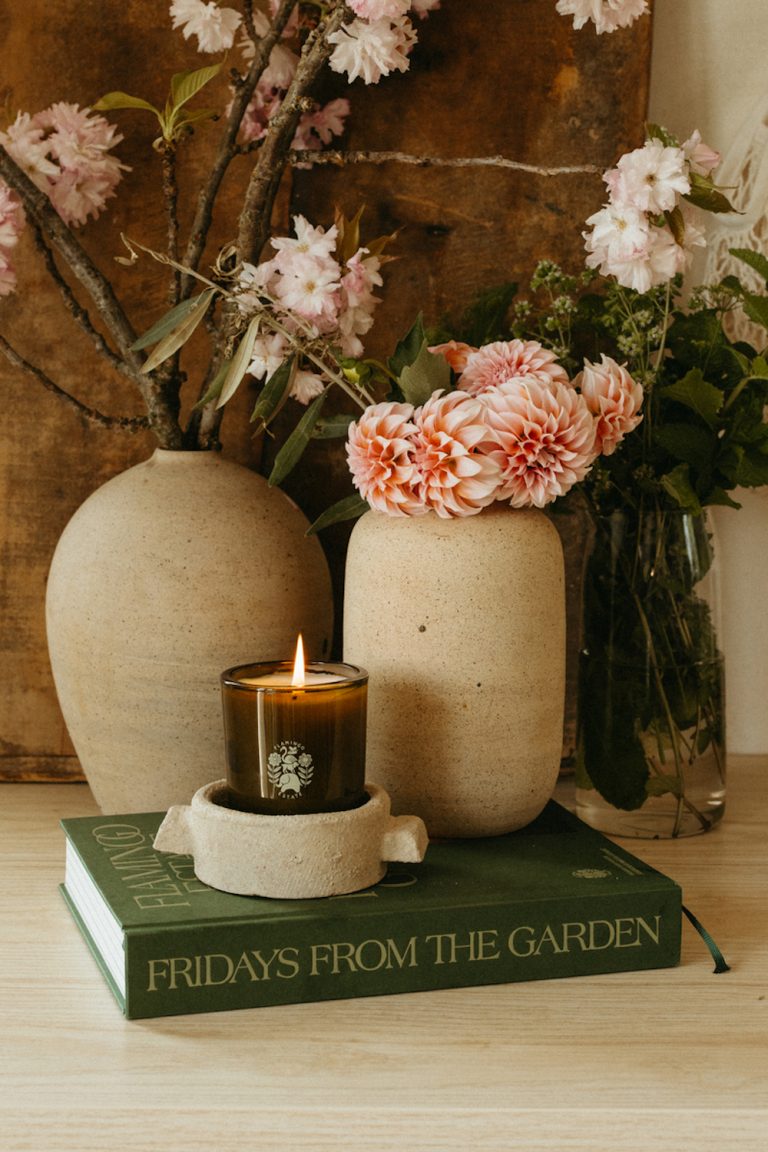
<point>168,574</point>
<point>461,626</point>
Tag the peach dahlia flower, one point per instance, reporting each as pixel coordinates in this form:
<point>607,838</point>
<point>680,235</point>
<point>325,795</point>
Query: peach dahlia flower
<point>503,361</point>
<point>545,437</point>
<point>455,477</point>
<point>381,459</point>
<point>454,352</point>
<point>613,398</point>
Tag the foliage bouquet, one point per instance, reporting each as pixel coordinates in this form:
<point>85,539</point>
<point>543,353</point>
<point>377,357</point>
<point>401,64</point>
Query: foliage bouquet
<point>679,403</point>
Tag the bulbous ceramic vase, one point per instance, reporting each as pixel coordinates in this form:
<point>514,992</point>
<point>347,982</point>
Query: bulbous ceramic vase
<point>171,572</point>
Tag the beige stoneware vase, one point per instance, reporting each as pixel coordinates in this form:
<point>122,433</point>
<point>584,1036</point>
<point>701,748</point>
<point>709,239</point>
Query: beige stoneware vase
<point>461,626</point>
<point>171,572</point>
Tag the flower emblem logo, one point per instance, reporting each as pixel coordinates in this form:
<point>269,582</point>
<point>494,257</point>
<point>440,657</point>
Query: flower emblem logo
<point>290,768</point>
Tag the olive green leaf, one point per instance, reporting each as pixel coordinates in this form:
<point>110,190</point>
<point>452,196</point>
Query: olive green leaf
<point>350,508</point>
<point>274,393</point>
<point>334,427</point>
<point>238,365</point>
<point>291,452</point>
<point>168,322</point>
<point>179,335</point>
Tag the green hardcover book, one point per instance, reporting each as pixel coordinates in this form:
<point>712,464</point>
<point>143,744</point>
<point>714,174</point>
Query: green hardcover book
<point>554,899</point>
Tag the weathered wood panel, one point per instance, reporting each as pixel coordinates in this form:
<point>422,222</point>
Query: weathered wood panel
<point>504,76</point>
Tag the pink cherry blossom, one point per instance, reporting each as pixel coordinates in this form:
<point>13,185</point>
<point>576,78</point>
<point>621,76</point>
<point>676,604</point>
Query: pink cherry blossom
<point>544,438</point>
<point>213,26</point>
<point>372,50</point>
<point>11,217</point>
<point>65,151</point>
<point>357,300</point>
<point>381,459</point>
<point>606,15</point>
<point>379,9</point>
<point>699,155</point>
<point>455,476</point>
<point>25,142</point>
<point>320,126</point>
<point>422,8</point>
<point>268,354</point>
<point>306,386</point>
<point>649,178</point>
<point>613,398</point>
<point>454,352</point>
<point>7,275</point>
<point>502,361</point>
<point>282,61</point>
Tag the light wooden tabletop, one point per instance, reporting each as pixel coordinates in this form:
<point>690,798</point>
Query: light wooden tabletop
<point>661,1061</point>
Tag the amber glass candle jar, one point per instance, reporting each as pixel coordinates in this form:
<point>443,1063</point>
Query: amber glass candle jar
<point>295,748</point>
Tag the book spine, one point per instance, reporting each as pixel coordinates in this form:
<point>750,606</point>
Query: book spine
<point>211,968</point>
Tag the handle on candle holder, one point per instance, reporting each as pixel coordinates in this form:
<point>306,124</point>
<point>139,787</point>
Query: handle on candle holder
<point>175,832</point>
<point>405,840</point>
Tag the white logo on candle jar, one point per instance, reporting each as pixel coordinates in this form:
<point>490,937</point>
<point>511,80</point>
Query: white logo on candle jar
<point>290,768</point>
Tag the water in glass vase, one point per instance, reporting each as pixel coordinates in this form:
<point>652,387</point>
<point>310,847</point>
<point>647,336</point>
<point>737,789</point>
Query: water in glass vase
<point>651,756</point>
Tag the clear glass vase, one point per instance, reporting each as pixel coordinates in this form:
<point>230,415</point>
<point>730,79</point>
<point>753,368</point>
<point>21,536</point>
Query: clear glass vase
<point>651,745</point>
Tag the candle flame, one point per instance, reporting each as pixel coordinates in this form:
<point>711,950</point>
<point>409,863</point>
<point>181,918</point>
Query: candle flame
<point>298,680</point>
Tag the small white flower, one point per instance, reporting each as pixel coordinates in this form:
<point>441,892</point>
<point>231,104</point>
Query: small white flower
<point>306,386</point>
<point>372,50</point>
<point>650,178</point>
<point>606,15</point>
<point>213,26</point>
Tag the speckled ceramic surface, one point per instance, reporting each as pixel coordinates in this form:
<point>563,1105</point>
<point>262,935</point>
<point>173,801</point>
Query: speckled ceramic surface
<point>290,857</point>
<point>174,570</point>
<point>461,626</point>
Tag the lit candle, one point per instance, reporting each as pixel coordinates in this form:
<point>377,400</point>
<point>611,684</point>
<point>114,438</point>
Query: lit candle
<point>295,735</point>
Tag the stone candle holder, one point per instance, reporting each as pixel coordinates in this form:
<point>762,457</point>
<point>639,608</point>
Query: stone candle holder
<point>294,856</point>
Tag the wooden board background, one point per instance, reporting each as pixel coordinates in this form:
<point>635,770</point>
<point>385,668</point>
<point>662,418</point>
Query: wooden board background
<point>504,77</point>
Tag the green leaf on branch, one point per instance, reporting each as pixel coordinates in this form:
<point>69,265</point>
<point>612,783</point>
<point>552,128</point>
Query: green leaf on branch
<point>350,508</point>
<point>690,443</point>
<point>408,348</point>
<point>238,365</point>
<point>213,391</point>
<point>274,393</point>
<point>720,497</point>
<point>696,393</point>
<point>424,376</point>
<point>752,471</point>
<point>185,85</point>
<point>756,308</point>
<point>334,427</point>
<point>116,100</point>
<point>676,223</point>
<point>705,195</point>
<point>179,335</point>
<point>677,484</point>
<point>167,322</point>
<point>755,260</point>
<point>293,449</point>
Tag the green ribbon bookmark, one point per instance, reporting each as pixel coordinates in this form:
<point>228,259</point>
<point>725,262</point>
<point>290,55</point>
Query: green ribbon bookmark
<point>721,964</point>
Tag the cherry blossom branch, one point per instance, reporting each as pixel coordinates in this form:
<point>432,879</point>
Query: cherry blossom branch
<point>74,307</point>
<point>171,201</point>
<point>39,209</point>
<point>267,173</point>
<point>228,142</point>
<point>340,157</point>
<point>128,423</point>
